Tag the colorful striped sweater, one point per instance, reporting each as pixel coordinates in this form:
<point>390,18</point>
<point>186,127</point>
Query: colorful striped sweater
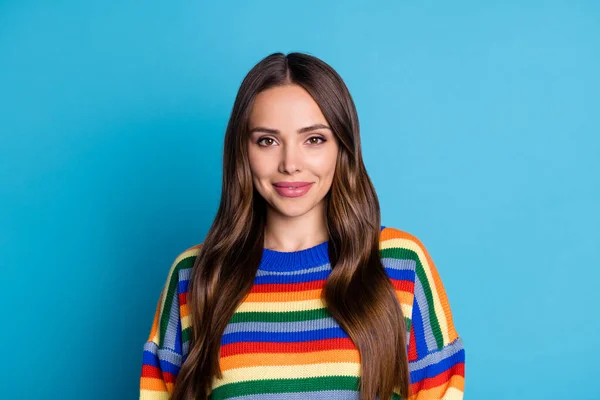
<point>281,343</point>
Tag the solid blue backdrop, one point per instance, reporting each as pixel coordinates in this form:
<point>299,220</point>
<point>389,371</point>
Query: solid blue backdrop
<point>478,126</point>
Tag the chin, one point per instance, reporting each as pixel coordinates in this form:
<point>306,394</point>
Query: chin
<point>293,210</point>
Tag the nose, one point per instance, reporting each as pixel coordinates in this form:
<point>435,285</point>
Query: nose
<point>291,159</point>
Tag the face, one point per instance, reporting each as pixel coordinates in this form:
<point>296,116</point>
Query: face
<point>291,141</point>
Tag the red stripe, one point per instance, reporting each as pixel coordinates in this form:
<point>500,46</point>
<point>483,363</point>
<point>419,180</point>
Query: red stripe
<point>439,379</point>
<point>412,345</point>
<point>150,371</point>
<point>168,377</point>
<point>298,347</point>
<point>288,287</point>
<point>405,286</point>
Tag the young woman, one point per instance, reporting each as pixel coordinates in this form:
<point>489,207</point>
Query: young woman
<point>297,291</point>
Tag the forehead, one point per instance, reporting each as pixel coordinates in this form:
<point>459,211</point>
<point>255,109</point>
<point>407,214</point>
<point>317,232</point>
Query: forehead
<point>285,106</point>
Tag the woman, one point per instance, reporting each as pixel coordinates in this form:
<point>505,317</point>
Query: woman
<point>297,291</point>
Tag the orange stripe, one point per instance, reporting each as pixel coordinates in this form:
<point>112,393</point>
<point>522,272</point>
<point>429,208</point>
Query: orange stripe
<point>404,297</point>
<point>183,309</point>
<point>152,384</point>
<point>394,233</point>
<point>197,246</point>
<point>284,296</point>
<point>264,359</point>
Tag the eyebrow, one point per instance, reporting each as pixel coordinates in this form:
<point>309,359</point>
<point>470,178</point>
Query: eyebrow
<point>301,130</point>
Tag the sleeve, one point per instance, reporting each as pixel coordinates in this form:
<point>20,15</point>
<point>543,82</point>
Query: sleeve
<point>435,351</point>
<point>162,352</point>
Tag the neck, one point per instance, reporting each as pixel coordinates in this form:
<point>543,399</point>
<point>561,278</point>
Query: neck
<point>293,233</point>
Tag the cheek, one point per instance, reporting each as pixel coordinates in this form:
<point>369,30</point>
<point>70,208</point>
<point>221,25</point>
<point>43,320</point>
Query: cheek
<point>254,161</point>
<point>260,166</point>
<point>326,164</point>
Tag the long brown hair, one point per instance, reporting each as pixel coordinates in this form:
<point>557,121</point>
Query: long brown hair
<point>358,293</point>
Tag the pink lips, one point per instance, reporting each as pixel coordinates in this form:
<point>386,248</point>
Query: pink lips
<point>292,189</point>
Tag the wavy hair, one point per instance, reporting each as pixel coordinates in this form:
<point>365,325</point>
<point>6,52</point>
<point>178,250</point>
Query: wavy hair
<point>358,293</point>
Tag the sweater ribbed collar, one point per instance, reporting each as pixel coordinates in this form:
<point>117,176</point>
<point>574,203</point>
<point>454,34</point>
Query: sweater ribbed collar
<point>273,260</point>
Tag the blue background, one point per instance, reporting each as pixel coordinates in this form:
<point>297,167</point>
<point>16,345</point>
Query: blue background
<point>479,129</point>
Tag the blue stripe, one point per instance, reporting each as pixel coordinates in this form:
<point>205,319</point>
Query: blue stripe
<point>284,337</point>
<point>150,358</point>
<point>275,279</point>
<point>417,326</point>
<point>400,274</point>
<point>166,366</point>
<point>432,370</point>
<point>183,286</point>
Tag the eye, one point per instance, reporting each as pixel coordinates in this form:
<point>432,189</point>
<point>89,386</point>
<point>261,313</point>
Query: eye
<point>317,137</point>
<point>264,138</point>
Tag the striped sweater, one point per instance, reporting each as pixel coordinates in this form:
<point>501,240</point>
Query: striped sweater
<point>281,343</point>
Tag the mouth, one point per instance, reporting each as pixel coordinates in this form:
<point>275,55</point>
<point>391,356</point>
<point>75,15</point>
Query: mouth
<point>292,190</point>
<point>291,185</point>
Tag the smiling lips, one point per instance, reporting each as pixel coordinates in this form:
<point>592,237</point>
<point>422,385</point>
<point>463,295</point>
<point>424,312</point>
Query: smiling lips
<point>291,184</point>
<point>292,189</point>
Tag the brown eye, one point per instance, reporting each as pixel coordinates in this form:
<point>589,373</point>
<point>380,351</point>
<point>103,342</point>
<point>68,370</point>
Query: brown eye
<point>316,137</point>
<point>265,138</point>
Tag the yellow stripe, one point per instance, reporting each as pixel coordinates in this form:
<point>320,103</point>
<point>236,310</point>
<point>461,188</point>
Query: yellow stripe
<point>153,395</point>
<point>186,322</point>
<point>439,310</point>
<point>282,306</point>
<point>287,372</point>
<point>453,394</point>
<point>406,310</point>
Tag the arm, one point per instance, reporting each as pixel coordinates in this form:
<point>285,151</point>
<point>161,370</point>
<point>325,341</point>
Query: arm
<point>164,349</point>
<point>435,351</point>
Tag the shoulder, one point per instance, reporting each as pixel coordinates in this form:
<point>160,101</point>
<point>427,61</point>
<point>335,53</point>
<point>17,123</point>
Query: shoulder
<point>187,256</point>
<point>398,247</point>
<point>405,258</point>
<point>180,269</point>
<point>397,243</point>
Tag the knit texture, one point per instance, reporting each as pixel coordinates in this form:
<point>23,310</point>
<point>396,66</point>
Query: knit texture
<point>281,343</point>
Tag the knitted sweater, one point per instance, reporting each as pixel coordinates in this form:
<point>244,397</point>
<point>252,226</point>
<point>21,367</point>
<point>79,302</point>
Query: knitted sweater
<point>281,343</point>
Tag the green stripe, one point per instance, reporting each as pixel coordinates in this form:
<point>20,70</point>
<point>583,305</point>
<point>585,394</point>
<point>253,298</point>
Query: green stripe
<point>185,335</point>
<point>407,254</point>
<point>399,253</point>
<point>171,295</point>
<point>285,385</point>
<point>435,325</point>
<point>271,386</point>
<point>290,316</point>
